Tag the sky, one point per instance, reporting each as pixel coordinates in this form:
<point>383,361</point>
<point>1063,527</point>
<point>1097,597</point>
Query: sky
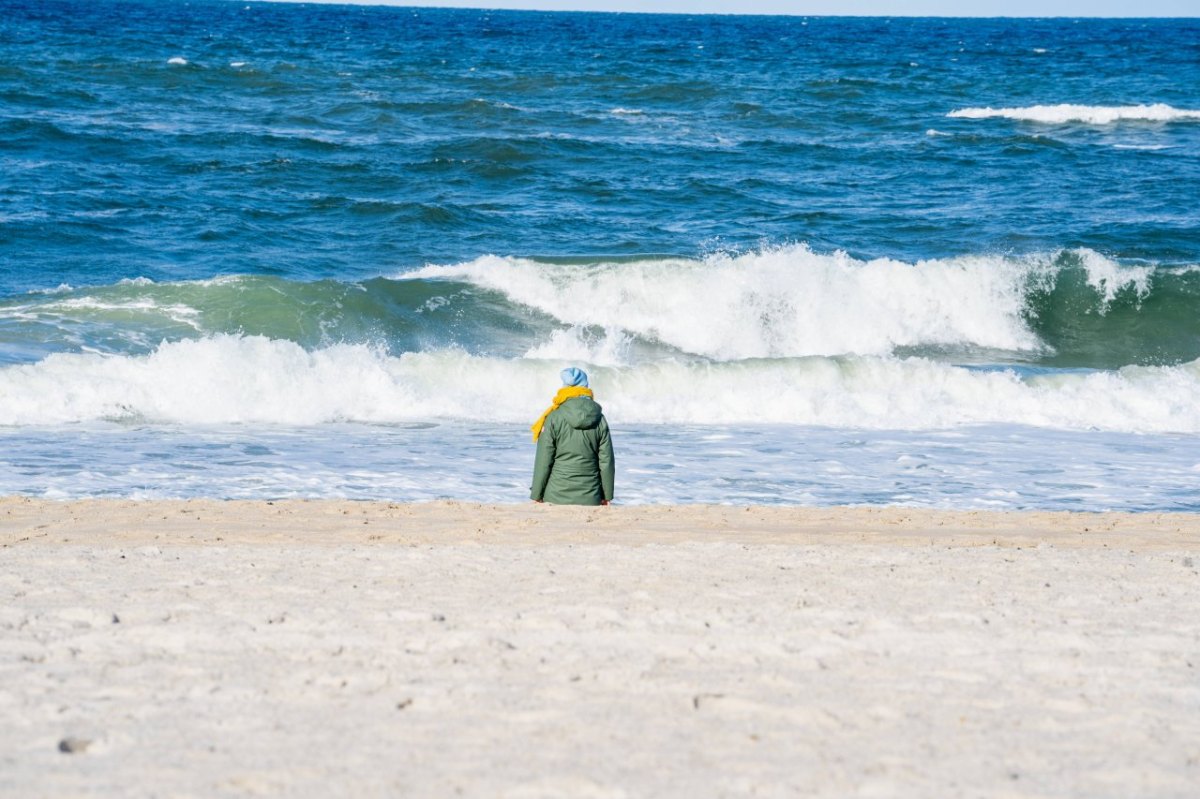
<point>922,8</point>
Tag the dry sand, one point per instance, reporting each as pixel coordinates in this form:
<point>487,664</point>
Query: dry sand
<point>366,649</point>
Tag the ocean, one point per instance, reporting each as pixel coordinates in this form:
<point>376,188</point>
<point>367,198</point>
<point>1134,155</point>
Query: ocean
<point>268,250</point>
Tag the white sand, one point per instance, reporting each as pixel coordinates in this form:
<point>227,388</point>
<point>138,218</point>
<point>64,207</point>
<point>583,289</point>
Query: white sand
<point>326,648</point>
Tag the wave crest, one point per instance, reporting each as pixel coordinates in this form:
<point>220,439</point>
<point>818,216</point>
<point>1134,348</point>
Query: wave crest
<point>792,302</point>
<point>1089,114</point>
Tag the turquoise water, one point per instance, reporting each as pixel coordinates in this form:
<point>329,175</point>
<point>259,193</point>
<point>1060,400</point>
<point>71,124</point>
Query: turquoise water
<point>285,250</point>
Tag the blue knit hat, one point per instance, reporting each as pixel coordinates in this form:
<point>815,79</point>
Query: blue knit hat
<point>573,376</point>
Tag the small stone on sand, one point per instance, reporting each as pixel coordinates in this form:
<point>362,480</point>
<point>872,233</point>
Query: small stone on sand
<point>72,746</point>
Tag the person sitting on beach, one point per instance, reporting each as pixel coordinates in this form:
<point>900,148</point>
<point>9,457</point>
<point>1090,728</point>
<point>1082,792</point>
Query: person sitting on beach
<point>574,462</point>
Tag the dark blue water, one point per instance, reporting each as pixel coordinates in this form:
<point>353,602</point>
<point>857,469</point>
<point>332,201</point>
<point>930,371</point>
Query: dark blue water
<point>290,217</point>
<point>356,141</point>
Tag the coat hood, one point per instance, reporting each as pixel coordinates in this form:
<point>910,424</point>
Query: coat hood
<point>582,413</point>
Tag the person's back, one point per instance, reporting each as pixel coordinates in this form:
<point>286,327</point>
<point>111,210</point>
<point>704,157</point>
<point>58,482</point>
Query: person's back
<point>574,462</point>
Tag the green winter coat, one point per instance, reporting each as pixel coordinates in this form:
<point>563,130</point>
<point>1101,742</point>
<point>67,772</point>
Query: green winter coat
<point>574,462</point>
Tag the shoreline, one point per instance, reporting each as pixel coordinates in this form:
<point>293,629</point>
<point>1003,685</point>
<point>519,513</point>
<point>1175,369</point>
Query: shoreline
<point>323,522</point>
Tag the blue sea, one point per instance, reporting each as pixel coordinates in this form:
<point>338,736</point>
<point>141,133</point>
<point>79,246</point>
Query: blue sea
<point>282,250</point>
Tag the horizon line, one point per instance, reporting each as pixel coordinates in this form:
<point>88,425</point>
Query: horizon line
<point>404,4</point>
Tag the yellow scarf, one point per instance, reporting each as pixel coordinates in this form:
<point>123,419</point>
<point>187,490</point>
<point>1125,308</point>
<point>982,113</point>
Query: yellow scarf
<point>562,396</point>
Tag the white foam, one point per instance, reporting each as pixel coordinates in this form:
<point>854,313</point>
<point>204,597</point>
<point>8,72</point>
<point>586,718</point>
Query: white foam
<point>785,302</point>
<point>611,348</point>
<point>61,288</point>
<point>1090,114</point>
<point>220,379</point>
<point>177,61</point>
<point>1108,278</point>
<point>232,379</point>
<point>1146,147</point>
<point>497,104</point>
<point>143,305</point>
<point>69,309</point>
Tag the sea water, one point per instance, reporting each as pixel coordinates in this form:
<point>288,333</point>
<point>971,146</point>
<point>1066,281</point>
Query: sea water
<point>276,250</point>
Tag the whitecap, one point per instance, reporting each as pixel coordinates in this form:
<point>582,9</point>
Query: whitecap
<point>1107,277</point>
<point>1089,114</point>
<point>1146,147</point>
<point>61,288</point>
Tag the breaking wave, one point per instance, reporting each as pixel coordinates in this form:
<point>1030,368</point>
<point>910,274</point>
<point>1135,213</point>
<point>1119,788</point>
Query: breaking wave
<point>235,379</point>
<point>1072,308</point>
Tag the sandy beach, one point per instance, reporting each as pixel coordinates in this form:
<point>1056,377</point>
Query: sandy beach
<point>209,648</point>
